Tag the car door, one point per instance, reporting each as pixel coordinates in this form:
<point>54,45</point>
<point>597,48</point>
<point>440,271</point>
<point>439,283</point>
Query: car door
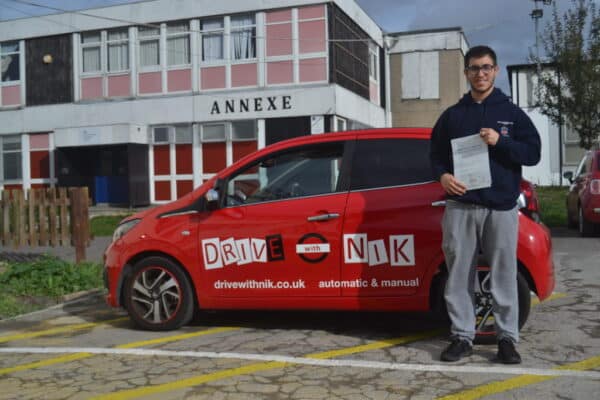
<point>392,232</point>
<point>278,227</point>
<point>577,186</point>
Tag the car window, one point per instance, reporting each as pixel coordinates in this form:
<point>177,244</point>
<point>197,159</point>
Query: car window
<point>390,162</point>
<point>304,171</point>
<point>582,168</point>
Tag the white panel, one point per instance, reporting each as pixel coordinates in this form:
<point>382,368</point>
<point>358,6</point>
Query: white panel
<point>430,75</point>
<point>410,76</point>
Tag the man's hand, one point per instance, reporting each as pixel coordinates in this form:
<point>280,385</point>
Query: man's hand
<point>489,136</point>
<point>452,186</point>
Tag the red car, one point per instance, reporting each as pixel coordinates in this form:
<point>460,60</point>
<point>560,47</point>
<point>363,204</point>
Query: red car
<point>339,221</point>
<point>583,199</point>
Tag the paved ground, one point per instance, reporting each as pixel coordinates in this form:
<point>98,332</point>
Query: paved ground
<point>86,350</point>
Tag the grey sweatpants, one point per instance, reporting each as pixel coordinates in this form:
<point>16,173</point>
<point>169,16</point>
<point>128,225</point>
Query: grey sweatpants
<point>467,230</point>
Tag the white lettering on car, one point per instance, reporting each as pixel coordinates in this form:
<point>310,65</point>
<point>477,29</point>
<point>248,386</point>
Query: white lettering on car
<point>358,249</point>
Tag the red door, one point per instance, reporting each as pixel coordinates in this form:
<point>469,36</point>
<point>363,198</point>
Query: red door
<point>392,232</point>
<point>277,232</point>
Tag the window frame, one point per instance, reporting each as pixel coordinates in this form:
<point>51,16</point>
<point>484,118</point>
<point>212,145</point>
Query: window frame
<point>16,54</point>
<point>155,37</point>
<point>207,32</point>
<point>178,35</point>
<point>342,184</point>
<point>103,46</point>
<point>18,139</point>
<point>242,28</point>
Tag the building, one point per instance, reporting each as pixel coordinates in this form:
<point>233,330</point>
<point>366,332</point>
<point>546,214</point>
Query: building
<point>560,145</point>
<point>426,74</point>
<point>144,101</point>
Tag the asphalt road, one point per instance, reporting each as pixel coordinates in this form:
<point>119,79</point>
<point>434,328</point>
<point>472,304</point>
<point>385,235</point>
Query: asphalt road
<point>86,350</point>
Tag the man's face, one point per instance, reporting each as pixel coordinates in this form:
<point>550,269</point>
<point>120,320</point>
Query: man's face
<point>481,73</point>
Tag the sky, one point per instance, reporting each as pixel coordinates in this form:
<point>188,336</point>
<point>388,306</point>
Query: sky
<point>505,25</point>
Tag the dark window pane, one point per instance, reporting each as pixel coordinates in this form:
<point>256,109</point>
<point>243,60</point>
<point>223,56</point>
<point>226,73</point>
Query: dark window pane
<point>12,166</point>
<point>390,162</point>
<point>10,67</point>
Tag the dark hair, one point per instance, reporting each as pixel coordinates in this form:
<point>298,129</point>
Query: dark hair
<point>478,52</point>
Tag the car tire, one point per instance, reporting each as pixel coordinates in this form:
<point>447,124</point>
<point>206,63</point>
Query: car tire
<point>586,228</point>
<point>485,330</point>
<point>571,219</point>
<point>158,295</point>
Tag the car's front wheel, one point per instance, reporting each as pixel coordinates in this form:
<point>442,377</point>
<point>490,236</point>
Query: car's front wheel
<point>158,295</point>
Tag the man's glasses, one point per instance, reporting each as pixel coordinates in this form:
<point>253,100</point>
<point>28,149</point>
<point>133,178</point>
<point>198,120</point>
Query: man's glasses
<point>474,69</point>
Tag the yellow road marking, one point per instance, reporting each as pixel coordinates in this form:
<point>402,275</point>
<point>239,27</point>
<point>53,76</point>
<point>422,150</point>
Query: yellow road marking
<point>60,329</point>
<point>256,367</point>
<point>519,381</point>
<point>176,337</point>
<point>79,356</point>
<point>375,345</point>
<point>252,368</point>
<point>45,363</point>
<point>553,296</point>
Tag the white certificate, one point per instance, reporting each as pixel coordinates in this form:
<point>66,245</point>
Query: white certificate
<point>471,162</point>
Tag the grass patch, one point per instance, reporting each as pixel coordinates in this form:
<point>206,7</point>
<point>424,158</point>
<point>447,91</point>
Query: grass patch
<point>105,225</point>
<point>34,285</point>
<point>552,204</point>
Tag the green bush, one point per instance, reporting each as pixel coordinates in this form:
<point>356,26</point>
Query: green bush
<point>553,205</point>
<point>105,225</point>
<point>33,285</point>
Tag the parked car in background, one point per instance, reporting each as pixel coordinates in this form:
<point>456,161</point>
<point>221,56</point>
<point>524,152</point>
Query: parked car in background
<point>339,221</point>
<point>583,198</point>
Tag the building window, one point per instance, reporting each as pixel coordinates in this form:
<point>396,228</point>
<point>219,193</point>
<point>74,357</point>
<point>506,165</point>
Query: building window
<point>91,45</point>
<point>212,39</point>
<point>178,43</point>
<point>118,50</point>
<point>243,37</point>
<point>11,157</point>
<point>420,75</point>
<point>213,133</point>
<point>149,39</point>
<point>116,44</point>
<point>373,62</point>
<point>9,61</point>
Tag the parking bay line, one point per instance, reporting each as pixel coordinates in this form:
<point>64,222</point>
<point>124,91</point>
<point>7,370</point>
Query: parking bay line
<point>78,355</point>
<point>252,368</point>
<point>521,381</point>
<point>577,370</point>
<point>59,329</point>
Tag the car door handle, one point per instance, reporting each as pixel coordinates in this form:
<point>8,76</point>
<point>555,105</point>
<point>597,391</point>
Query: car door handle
<point>323,217</point>
<point>440,203</point>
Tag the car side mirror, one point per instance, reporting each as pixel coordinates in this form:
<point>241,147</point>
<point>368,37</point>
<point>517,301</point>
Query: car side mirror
<point>568,175</point>
<point>212,199</point>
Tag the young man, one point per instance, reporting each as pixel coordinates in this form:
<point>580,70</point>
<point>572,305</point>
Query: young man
<point>483,220</point>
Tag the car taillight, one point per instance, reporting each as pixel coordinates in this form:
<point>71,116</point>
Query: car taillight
<point>595,186</point>
<point>531,206</point>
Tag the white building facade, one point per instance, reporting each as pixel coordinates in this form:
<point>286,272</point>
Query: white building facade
<point>145,101</point>
<point>560,145</point>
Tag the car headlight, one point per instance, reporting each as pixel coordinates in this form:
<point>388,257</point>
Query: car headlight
<point>123,228</point>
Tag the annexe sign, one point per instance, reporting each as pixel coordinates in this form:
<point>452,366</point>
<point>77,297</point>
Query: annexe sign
<point>251,104</point>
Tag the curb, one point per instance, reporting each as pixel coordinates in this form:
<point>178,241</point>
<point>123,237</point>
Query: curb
<point>68,299</point>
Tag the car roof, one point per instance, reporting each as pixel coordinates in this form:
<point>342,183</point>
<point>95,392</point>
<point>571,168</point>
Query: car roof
<point>407,133</point>
<point>372,133</point>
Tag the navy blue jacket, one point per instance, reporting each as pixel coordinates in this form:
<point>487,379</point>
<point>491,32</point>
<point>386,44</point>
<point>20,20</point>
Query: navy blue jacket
<point>519,144</point>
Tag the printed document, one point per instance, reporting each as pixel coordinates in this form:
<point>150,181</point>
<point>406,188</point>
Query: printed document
<point>471,162</point>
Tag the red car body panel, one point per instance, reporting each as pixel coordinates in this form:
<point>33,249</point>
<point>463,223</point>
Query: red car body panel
<point>382,252</point>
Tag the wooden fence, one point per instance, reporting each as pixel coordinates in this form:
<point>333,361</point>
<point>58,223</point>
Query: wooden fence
<point>46,217</point>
